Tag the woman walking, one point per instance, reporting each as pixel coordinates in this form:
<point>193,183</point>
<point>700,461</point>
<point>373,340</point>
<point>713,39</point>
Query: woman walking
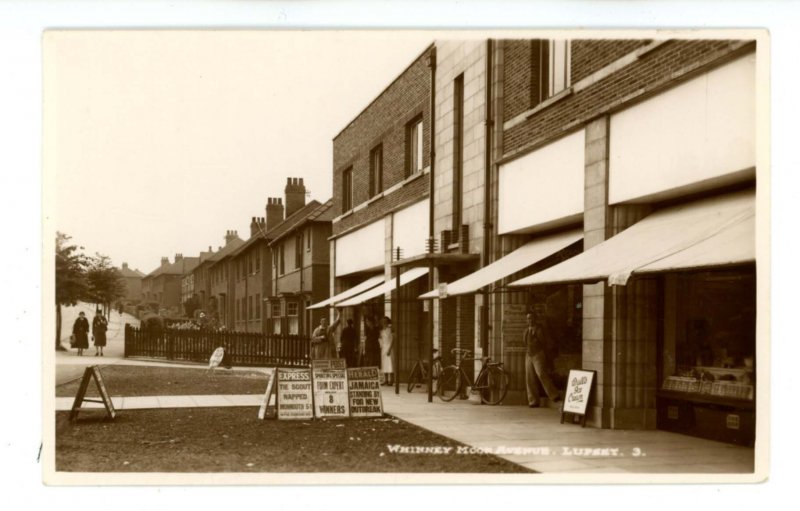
<point>80,329</point>
<point>386,342</point>
<point>372,347</point>
<point>99,328</point>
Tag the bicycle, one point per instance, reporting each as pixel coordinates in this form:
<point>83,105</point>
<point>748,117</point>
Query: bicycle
<point>419,373</point>
<point>491,382</point>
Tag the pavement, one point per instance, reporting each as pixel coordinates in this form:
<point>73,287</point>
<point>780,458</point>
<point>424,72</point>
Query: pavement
<point>533,438</point>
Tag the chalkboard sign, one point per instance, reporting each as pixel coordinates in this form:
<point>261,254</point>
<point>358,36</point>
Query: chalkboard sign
<point>268,408</point>
<point>89,373</point>
<point>364,391</point>
<point>576,397</point>
<point>294,394</point>
<point>330,388</point>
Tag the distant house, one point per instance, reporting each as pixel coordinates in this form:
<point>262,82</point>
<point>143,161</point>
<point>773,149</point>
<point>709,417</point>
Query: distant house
<point>220,281</point>
<point>163,285</point>
<point>133,283</point>
<point>300,269</point>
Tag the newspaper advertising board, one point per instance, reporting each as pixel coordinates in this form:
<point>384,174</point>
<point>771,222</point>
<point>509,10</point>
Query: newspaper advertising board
<point>330,388</point>
<point>268,408</point>
<point>364,390</point>
<point>294,394</point>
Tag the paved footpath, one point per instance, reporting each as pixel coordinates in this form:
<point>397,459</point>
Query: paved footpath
<point>533,438</point>
<point>566,448</point>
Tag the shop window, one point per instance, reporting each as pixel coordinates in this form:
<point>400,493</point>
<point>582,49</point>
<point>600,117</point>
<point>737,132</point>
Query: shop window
<point>414,147</point>
<point>376,171</point>
<point>293,318</point>
<point>709,334</point>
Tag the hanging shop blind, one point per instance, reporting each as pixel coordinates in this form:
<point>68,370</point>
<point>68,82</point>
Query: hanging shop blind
<point>387,287</point>
<point>344,295</point>
<point>708,232</point>
<point>526,255</point>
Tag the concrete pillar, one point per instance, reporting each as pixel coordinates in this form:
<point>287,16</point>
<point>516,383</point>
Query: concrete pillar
<point>620,322</point>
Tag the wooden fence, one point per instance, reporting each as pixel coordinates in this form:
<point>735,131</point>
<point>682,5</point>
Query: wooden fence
<point>244,349</point>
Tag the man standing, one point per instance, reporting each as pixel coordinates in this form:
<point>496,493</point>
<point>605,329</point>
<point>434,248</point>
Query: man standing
<point>350,344</point>
<point>322,342</point>
<point>536,364</point>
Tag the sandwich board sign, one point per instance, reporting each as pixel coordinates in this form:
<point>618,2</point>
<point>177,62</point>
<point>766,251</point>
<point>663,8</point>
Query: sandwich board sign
<point>89,373</point>
<point>364,391</point>
<point>576,398</point>
<point>330,388</point>
<point>295,399</point>
<point>268,407</point>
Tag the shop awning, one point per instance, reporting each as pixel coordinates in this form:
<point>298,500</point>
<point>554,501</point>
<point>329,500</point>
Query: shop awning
<point>527,255</point>
<point>357,289</point>
<point>710,232</point>
<point>388,286</point>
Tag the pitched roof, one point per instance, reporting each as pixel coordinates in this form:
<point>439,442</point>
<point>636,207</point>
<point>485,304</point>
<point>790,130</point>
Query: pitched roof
<point>126,272</point>
<point>227,250</point>
<point>179,267</point>
<point>311,212</point>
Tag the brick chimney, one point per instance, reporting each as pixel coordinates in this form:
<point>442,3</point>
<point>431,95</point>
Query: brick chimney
<point>124,266</point>
<point>295,192</point>
<point>164,261</point>
<point>258,226</point>
<point>230,236</point>
<point>274,212</point>
<point>178,257</point>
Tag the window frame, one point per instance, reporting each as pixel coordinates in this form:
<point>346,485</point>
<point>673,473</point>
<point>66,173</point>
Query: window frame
<point>415,146</point>
<point>376,170</point>
<point>347,189</point>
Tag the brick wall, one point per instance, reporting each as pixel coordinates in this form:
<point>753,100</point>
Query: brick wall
<point>652,72</point>
<point>591,55</point>
<point>384,122</point>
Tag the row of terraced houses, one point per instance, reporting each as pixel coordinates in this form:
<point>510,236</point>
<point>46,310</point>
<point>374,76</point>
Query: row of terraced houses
<point>607,186</point>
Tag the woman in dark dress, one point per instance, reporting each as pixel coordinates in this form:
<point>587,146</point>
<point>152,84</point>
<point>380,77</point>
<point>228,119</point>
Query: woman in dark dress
<point>372,348</point>
<point>99,328</point>
<point>80,329</point>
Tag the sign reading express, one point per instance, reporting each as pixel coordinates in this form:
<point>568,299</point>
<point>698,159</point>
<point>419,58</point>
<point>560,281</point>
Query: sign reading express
<point>365,392</point>
<point>294,394</point>
<point>330,388</point>
<point>579,385</point>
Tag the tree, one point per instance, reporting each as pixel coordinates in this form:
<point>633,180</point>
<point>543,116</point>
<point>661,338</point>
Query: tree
<point>105,283</point>
<point>71,285</point>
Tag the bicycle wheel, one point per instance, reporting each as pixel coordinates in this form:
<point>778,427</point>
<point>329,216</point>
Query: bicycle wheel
<point>414,378</point>
<point>496,385</point>
<point>449,383</point>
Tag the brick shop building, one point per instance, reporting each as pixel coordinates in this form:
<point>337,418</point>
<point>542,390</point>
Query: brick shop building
<point>381,181</point>
<point>606,186</point>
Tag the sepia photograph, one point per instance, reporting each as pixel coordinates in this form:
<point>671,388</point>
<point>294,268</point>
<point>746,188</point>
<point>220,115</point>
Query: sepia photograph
<point>342,256</point>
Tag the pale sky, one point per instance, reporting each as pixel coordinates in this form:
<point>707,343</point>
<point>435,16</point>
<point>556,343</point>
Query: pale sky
<point>158,142</point>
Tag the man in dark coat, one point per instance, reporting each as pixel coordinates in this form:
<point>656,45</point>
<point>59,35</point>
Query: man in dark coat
<point>99,328</point>
<point>350,344</point>
<point>80,329</point>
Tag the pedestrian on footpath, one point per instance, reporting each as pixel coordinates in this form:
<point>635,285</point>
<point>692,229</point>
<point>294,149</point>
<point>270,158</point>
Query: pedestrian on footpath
<point>386,342</point>
<point>372,347</point>
<point>99,329</point>
<point>80,329</point>
<point>536,363</point>
<point>323,344</point>
<point>350,344</point>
